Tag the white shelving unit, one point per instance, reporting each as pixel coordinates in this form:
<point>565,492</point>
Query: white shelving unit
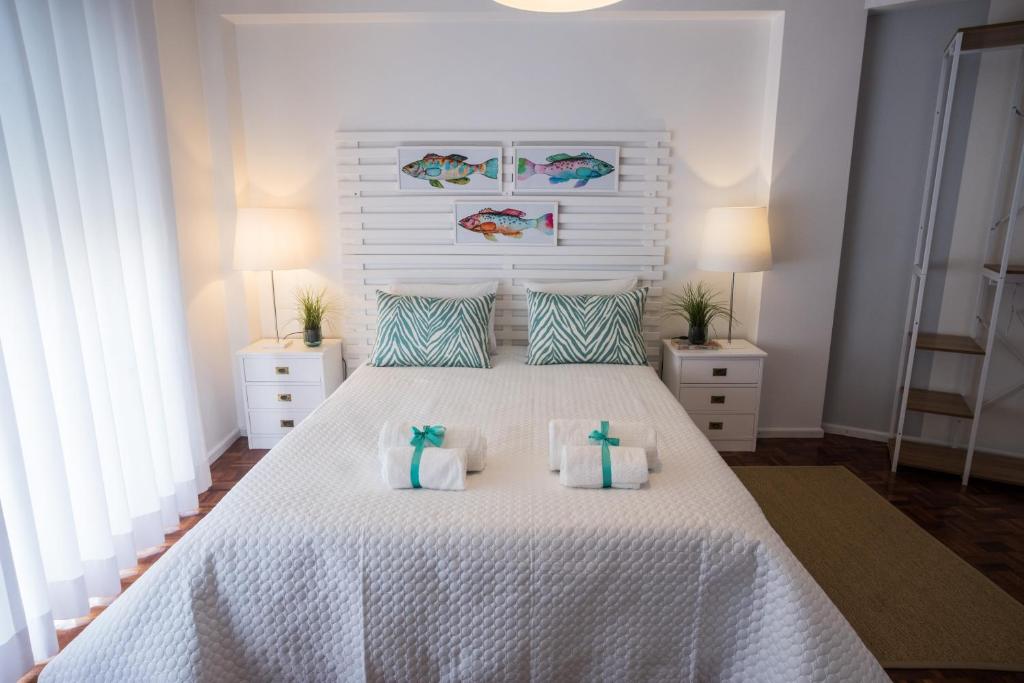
<point>995,271</point>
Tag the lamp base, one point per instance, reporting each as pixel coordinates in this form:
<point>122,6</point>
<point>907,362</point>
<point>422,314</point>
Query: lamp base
<point>734,344</point>
<point>273,344</point>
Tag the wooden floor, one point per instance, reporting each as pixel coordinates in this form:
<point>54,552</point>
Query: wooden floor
<point>984,524</point>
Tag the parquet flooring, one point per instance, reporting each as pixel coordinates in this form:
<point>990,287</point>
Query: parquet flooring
<point>984,524</point>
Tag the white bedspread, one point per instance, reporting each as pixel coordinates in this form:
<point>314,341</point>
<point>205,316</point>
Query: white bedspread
<point>311,569</point>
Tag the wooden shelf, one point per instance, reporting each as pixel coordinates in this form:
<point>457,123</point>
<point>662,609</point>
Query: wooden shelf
<point>1011,269</point>
<point>926,456</point>
<point>993,36</point>
<point>938,403</point>
<point>952,343</point>
<point>1014,272</point>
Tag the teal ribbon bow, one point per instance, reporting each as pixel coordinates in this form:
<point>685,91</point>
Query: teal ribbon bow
<point>601,436</point>
<point>432,433</point>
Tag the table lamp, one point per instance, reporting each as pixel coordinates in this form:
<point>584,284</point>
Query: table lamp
<point>273,239</point>
<point>736,240</point>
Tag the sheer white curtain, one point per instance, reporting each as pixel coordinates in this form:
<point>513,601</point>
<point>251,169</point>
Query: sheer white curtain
<point>101,448</point>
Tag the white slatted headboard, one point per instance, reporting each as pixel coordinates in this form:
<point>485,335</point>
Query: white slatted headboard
<point>389,235</point>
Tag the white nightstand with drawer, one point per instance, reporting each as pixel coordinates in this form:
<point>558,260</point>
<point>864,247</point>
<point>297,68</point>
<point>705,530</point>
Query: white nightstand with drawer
<point>720,389</point>
<point>282,386</point>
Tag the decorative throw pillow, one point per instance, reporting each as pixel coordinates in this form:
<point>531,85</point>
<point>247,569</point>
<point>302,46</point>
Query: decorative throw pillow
<point>586,328</point>
<point>462,290</point>
<point>425,331</point>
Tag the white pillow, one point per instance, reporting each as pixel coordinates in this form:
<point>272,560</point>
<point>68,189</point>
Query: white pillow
<point>468,290</point>
<point>626,284</point>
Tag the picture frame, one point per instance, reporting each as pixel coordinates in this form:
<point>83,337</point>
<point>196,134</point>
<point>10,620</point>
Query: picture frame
<point>505,222</point>
<point>450,169</point>
<point>566,169</point>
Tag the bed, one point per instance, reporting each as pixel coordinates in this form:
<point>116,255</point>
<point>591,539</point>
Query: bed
<point>311,569</point>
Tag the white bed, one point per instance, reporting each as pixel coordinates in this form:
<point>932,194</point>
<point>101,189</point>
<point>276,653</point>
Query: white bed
<point>310,569</point>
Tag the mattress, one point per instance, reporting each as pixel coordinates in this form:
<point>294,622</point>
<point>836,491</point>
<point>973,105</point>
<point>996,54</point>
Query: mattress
<point>310,569</point>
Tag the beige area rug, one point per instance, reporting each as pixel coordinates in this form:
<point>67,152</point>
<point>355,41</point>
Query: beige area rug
<point>913,602</point>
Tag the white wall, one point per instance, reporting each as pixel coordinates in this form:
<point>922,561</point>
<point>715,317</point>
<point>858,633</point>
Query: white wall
<point>821,58</point>
<point>761,109</point>
<point>705,81</point>
<point>198,231</point>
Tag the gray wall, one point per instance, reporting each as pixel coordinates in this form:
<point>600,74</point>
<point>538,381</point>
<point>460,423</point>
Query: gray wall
<point>902,55</point>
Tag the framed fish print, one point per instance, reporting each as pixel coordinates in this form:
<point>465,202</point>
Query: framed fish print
<point>567,169</point>
<point>443,169</point>
<point>502,222</point>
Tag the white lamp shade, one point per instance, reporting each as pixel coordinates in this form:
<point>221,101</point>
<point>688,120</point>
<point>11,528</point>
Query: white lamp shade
<point>736,240</point>
<point>556,5</point>
<point>273,239</point>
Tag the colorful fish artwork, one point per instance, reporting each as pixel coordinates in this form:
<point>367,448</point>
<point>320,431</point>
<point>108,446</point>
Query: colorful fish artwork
<point>451,168</point>
<point>508,222</point>
<point>562,168</point>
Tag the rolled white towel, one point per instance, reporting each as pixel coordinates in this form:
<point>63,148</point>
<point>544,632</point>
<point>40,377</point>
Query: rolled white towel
<point>440,468</point>
<point>563,433</point>
<point>581,467</point>
<point>472,439</point>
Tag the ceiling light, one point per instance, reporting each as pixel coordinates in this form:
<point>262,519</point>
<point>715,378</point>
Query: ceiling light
<point>556,5</point>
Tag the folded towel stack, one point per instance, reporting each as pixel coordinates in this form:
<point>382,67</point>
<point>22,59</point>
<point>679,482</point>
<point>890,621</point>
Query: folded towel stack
<point>455,436</point>
<point>581,467</point>
<point>562,433</point>
<point>439,468</point>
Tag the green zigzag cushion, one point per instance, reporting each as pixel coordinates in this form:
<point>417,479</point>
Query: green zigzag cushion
<point>419,331</point>
<point>586,328</point>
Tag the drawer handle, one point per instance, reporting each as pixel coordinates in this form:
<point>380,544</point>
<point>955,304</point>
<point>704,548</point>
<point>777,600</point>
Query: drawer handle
<point>287,423</point>
<point>719,372</point>
<point>715,426</point>
<point>718,399</point>
<point>285,398</point>
<point>281,370</point>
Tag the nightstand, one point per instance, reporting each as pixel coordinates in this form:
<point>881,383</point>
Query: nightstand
<point>720,389</point>
<point>282,386</point>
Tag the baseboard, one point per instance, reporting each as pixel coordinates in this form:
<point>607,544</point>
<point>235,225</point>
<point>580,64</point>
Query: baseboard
<point>790,433</point>
<point>856,432</point>
<point>875,435</point>
<point>222,446</point>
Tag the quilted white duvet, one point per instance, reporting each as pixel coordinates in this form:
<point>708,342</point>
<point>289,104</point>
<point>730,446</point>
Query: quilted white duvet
<point>310,569</point>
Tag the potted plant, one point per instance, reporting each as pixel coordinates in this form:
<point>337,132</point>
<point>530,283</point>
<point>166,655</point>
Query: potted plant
<point>697,305</point>
<point>315,308</point>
